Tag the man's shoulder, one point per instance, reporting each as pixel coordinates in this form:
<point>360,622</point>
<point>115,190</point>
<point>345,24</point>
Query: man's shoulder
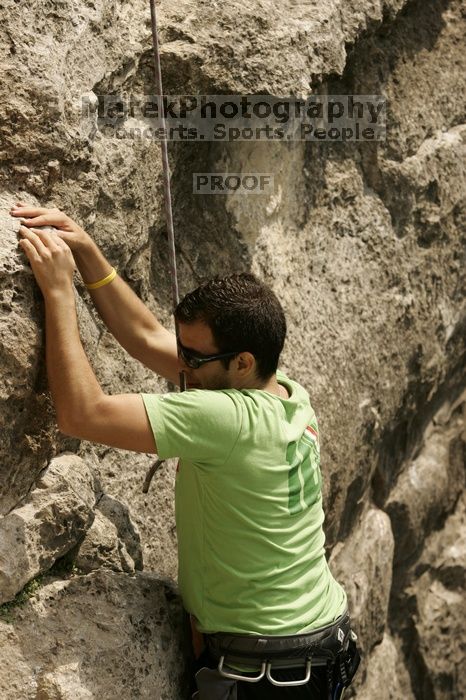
<point>297,387</point>
<point>192,424</point>
<point>196,398</point>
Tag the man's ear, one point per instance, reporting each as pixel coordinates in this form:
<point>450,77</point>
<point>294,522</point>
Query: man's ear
<point>246,362</point>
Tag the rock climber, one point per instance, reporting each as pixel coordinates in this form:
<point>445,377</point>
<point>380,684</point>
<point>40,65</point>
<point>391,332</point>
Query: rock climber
<point>269,619</point>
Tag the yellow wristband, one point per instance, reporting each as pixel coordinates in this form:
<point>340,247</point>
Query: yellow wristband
<point>95,285</point>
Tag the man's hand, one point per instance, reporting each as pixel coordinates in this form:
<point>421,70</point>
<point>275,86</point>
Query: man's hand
<point>129,320</point>
<point>83,410</point>
<point>51,260</point>
<point>66,229</point>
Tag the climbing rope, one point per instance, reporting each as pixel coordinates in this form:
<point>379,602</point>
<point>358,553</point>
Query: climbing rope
<point>168,207</point>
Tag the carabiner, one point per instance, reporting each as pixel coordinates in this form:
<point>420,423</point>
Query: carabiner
<point>237,677</point>
<point>282,684</point>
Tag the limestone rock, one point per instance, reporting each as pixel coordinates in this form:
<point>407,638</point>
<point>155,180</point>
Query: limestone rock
<point>216,50</point>
<point>95,636</point>
<point>414,56</point>
<point>152,513</point>
<point>56,516</point>
<point>428,487</point>
<point>363,565</point>
<point>26,427</point>
<point>386,678</point>
<point>428,593</point>
<point>101,547</point>
<point>428,185</point>
<point>440,630</point>
<point>445,550</point>
<point>63,683</point>
<point>119,514</point>
<point>437,591</point>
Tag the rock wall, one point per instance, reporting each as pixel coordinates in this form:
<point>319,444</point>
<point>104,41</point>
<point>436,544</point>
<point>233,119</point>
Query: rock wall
<point>365,245</point>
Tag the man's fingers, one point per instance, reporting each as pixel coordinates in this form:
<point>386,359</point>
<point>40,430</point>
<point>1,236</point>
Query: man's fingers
<point>52,240</point>
<point>36,220</point>
<point>64,236</point>
<point>33,217</point>
<point>29,211</point>
<point>49,238</point>
<point>61,234</point>
<point>30,250</point>
<point>36,240</point>
<point>58,240</point>
<point>39,216</point>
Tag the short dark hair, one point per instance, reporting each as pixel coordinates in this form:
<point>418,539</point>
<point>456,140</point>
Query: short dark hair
<point>243,314</point>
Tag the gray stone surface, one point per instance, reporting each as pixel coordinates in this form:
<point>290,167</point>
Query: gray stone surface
<point>363,564</point>
<point>120,516</point>
<point>427,598</point>
<point>102,635</point>
<point>385,677</point>
<point>122,475</point>
<point>429,486</point>
<point>102,548</point>
<point>436,594</point>
<point>52,521</point>
<point>26,427</point>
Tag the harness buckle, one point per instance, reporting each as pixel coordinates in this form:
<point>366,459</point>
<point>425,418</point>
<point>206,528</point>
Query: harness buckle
<point>237,677</point>
<point>282,684</point>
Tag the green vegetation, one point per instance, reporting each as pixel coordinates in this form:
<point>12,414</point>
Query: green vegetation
<point>62,568</point>
<point>6,610</point>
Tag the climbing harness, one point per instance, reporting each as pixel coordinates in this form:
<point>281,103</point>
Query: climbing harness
<point>168,209</point>
<point>332,647</point>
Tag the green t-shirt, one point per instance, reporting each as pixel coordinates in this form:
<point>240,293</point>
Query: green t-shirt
<point>248,506</point>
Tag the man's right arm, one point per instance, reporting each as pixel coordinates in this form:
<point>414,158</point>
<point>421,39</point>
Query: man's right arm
<point>132,324</point>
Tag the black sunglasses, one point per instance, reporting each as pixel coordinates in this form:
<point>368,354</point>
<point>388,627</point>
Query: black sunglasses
<point>194,360</point>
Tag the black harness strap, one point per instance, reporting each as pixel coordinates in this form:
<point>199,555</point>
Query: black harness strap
<point>285,651</point>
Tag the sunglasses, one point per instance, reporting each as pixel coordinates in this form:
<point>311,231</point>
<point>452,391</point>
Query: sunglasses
<point>194,360</point>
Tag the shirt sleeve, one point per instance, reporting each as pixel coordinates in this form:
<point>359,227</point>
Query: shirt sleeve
<point>198,425</point>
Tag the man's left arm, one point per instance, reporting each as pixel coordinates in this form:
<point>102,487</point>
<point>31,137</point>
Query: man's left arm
<point>83,409</point>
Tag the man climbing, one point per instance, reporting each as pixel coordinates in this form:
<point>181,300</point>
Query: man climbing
<point>271,619</point>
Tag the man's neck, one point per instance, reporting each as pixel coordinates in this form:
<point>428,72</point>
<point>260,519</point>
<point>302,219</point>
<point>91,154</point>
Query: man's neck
<point>271,385</point>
